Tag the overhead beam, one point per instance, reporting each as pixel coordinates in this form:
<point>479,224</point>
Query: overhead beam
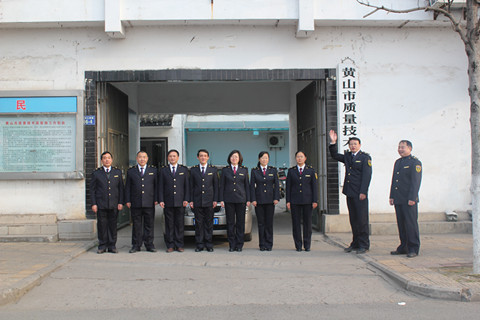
<point>113,19</point>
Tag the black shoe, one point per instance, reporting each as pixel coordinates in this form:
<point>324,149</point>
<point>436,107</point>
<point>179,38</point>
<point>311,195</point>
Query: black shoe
<point>151,249</point>
<point>361,250</point>
<point>268,249</point>
<point>349,249</point>
<point>231,250</point>
<point>299,250</point>
<point>198,249</point>
<point>262,249</point>
<point>113,250</point>
<point>396,253</point>
<point>133,250</point>
<point>412,255</point>
<point>239,249</point>
<point>308,250</point>
<point>100,251</point>
<point>210,249</point>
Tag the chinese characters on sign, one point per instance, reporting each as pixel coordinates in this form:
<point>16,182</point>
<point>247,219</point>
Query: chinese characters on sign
<point>347,81</point>
<point>21,105</point>
<point>37,144</point>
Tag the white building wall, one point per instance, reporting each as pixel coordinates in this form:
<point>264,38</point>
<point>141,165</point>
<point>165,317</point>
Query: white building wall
<point>413,85</point>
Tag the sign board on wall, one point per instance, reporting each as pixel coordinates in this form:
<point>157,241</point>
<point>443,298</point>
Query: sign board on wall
<point>347,97</point>
<point>38,134</point>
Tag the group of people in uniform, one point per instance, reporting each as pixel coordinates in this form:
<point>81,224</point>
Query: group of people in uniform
<point>174,187</point>
<point>406,179</point>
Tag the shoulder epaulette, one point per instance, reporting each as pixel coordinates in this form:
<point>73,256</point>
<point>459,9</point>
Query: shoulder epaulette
<point>227,166</point>
<point>195,166</point>
<point>98,168</point>
<point>132,167</point>
<point>256,168</point>
<point>293,167</point>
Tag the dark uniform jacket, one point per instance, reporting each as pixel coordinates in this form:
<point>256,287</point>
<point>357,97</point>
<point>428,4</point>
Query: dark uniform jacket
<point>234,187</point>
<point>264,188</point>
<point>173,190</point>
<point>106,190</point>
<point>358,171</point>
<point>407,176</point>
<point>203,188</point>
<point>301,189</point>
<point>140,191</point>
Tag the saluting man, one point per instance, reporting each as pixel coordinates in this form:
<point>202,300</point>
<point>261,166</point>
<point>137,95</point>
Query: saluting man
<point>407,176</point>
<point>358,173</point>
<point>203,199</point>
<point>173,194</point>
<point>106,193</point>
<point>141,198</point>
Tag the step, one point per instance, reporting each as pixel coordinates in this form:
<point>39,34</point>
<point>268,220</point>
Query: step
<point>20,219</point>
<point>339,223</point>
<point>28,229</point>
<point>439,227</point>
<point>29,238</point>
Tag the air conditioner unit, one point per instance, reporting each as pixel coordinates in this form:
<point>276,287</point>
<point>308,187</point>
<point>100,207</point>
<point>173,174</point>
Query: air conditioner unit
<point>276,141</point>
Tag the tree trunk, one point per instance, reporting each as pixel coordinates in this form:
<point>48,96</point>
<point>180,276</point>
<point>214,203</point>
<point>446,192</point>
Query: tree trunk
<point>472,48</point>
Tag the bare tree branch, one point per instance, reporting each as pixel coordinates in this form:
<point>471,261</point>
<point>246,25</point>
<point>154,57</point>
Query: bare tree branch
<point>456,24</point>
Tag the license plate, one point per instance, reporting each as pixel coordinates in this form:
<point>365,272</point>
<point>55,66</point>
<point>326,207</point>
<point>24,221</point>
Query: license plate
<point>215,221</point>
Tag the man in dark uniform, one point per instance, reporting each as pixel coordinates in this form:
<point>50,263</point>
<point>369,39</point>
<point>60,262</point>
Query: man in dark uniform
<point>141,196</point>
<point>358,173</point>
<point>106,193</point>
<point>203,199</point>
<point>407,176</point>
<point>173,195</point>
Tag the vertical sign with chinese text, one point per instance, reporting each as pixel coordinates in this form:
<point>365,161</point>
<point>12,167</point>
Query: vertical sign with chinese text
<point>347,91</point>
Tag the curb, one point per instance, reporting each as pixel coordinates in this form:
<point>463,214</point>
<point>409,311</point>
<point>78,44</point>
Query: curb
<point>23,286</point>
<point>457,294</point>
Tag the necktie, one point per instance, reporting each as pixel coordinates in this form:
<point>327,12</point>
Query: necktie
<point>264,171</point>
<point>173,170</point>
<point>301,171</point>
<point>203,171</point>
<point>141,171</point>
<point>107,170</point>
<point>234,170</point>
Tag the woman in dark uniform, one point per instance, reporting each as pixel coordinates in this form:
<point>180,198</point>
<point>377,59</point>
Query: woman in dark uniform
<point>265,194</point>
<point>301,197</point>
<point>234,193</point>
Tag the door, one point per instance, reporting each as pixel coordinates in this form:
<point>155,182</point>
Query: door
<point>113,132</point>
<point>311,137</point>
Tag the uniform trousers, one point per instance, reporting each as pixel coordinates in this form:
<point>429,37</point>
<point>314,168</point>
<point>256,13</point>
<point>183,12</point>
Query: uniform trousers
<point>264,214</point>
<point>174,226</point>
<point>407,222</point>
<point>107,228</point>
<point>203,227</point>
<point>235,213</point>
<point>142,231</point>
<point>358,214</point>
<point>302,212</point>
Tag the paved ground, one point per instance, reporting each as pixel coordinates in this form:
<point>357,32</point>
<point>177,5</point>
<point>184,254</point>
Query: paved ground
<point>442,270</point>
<point>25,265</point>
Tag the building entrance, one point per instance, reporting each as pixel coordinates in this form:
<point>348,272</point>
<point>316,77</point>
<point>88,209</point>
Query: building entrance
<point>208,92</point>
